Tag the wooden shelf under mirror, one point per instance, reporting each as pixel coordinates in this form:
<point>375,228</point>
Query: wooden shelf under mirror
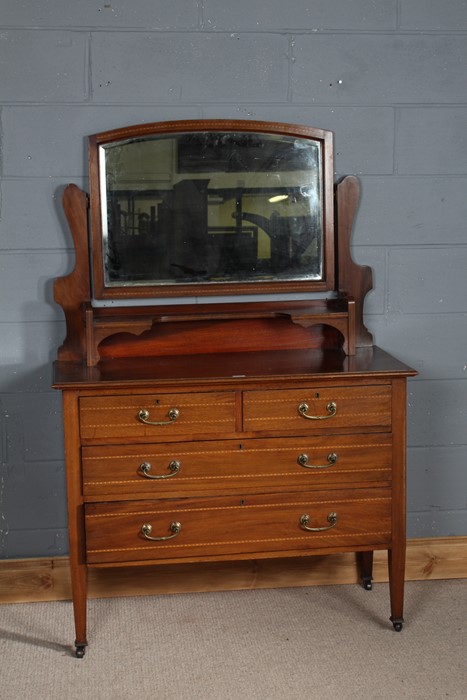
<point>217,373</point>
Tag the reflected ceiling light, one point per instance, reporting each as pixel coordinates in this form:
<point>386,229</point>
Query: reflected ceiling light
<point>278,198</point>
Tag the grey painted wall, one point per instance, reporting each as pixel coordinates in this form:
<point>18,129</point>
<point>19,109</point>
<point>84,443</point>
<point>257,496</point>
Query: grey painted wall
<point>389,77</point>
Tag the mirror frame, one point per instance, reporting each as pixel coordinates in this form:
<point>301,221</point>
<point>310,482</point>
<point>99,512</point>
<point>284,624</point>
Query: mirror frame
<point>178,289</point>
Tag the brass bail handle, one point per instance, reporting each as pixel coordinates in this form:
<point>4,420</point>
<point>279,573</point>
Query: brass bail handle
<point>303,461</point>
<point>145,468</point>
<point>331,409</point>
<point>305,519</point>
<point>174,528</point>
<point>172,414</point>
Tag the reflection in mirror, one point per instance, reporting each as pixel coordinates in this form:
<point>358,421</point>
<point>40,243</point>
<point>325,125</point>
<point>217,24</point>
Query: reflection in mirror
<point>211,207</point>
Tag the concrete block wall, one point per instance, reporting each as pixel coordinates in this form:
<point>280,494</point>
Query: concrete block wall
<point>389,77</point>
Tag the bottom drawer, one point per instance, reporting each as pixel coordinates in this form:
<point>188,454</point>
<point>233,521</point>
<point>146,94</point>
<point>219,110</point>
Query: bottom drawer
<point>254,526</point>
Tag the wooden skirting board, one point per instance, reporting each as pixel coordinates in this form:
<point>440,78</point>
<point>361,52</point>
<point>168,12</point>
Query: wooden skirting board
<point>35,580</point>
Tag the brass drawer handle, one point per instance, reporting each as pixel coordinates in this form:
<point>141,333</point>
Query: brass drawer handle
<point>173,414</point>
<point>305,519</point>
<point>146,530</point>
<point>331,408</point>
<point>303,461</point>
<point>145,468</point>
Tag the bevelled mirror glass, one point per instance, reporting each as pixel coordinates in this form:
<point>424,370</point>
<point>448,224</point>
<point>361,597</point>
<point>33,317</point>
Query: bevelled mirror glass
<point>206,210</point>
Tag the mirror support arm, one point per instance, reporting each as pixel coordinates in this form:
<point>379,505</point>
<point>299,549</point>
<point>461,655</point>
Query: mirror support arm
<point>73,291</point>
<point>353,281</point>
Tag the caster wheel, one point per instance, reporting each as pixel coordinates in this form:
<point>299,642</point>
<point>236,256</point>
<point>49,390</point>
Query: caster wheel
<point>80,650</point>
<point>397,624</point>
<point>367,585</point>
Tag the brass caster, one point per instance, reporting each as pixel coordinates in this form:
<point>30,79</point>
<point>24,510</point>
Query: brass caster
<point>397,624</point>
<point>80,650</point>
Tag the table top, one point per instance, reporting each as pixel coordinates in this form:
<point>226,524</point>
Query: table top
<point>235,367</point>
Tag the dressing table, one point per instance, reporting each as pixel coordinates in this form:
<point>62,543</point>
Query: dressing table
<point>222,397</point>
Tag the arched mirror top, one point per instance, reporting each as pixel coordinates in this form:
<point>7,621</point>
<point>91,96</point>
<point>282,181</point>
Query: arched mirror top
<point>189,208</point>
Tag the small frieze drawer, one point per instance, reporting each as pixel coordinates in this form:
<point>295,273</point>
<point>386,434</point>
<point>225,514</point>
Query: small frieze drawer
<point>252,525</point>
<point>177,469</point>
<point>319,410</point>
<point>160,416</point>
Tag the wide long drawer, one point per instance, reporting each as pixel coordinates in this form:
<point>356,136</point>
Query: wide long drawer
<point>319,410</point>
<point>186,469</point>
<point>252,526</point>
<point>158,416</point>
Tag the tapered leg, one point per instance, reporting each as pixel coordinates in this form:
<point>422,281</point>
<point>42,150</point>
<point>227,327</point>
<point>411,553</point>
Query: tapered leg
<point>76,537</point>
<point>79,579</point>
<point>365,565</point>
<point>396,552</point>
<point>396,565</point>
<point>79,588</point>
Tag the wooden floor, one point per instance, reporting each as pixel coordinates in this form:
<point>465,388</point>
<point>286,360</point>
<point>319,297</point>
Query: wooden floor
<point>29,580</point>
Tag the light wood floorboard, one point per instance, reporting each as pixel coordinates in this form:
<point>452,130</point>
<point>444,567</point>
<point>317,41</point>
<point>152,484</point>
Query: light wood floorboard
<point>35,580</point>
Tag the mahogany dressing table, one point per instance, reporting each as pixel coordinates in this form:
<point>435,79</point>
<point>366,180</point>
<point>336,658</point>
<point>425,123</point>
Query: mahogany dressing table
<point>202,425</point>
